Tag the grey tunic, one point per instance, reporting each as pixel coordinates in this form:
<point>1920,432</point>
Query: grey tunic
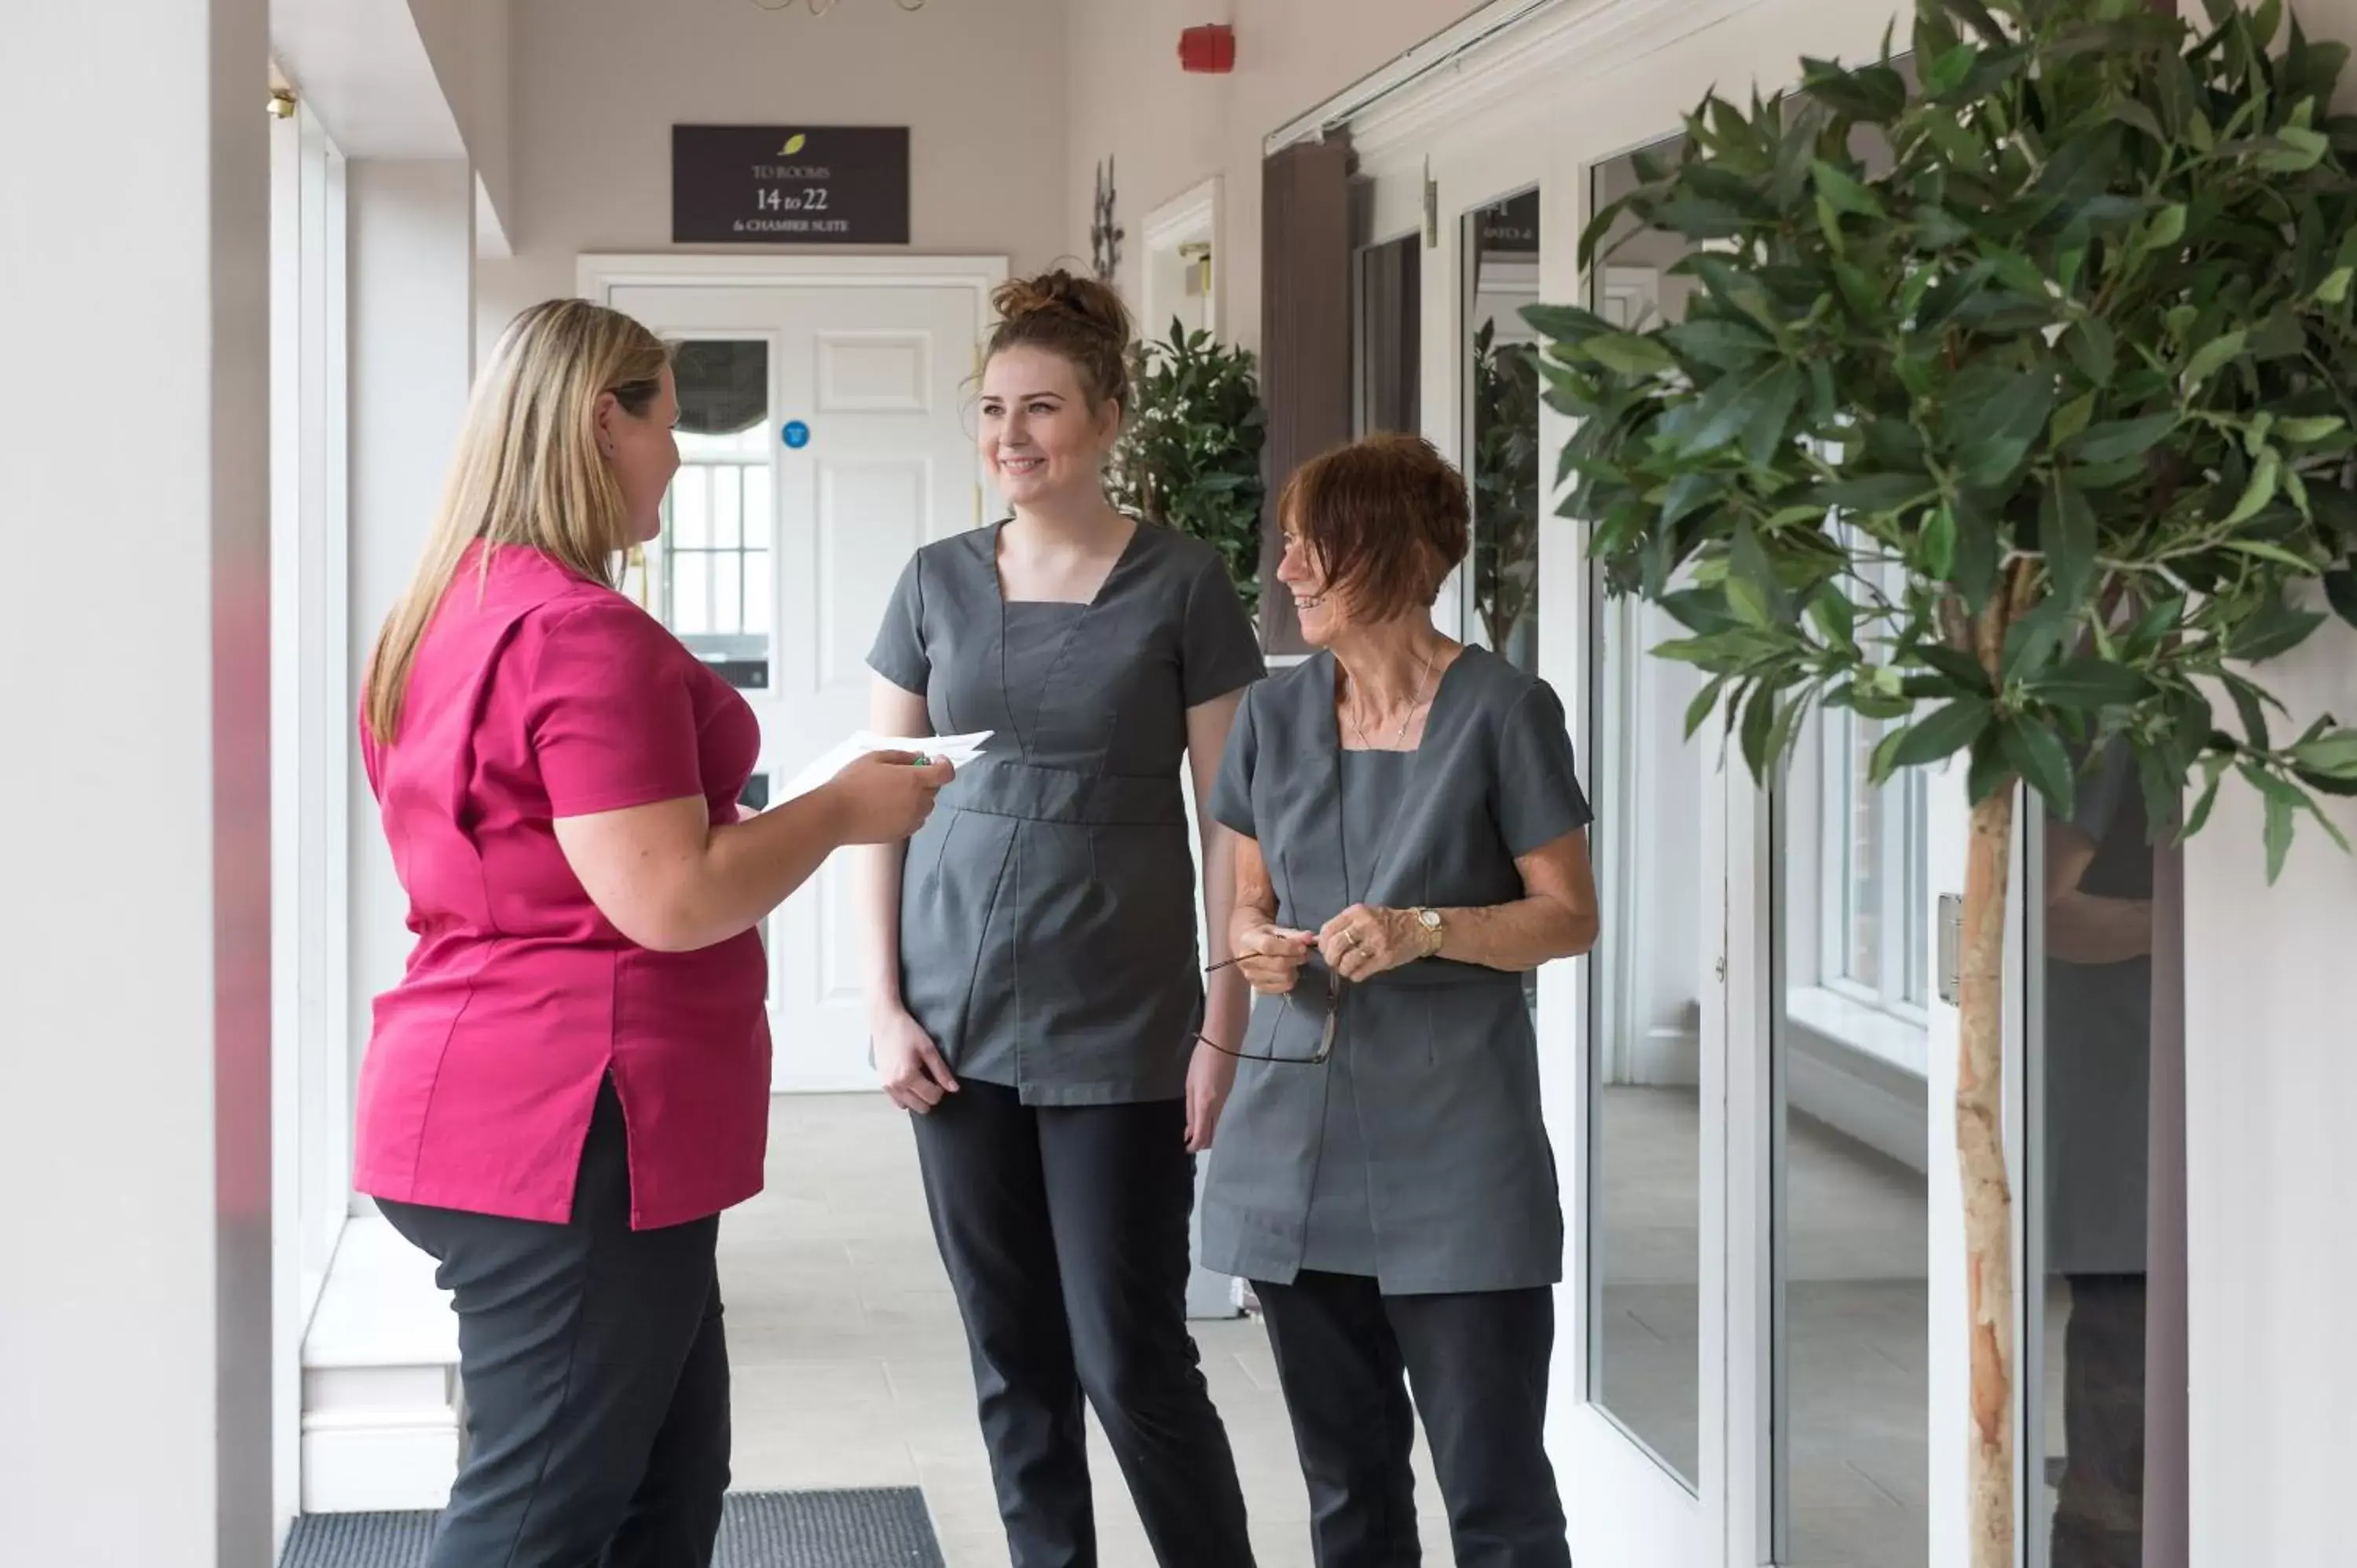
<point>1047,907</point>
<point>1443,1074</point>
<point>1339,1233</point>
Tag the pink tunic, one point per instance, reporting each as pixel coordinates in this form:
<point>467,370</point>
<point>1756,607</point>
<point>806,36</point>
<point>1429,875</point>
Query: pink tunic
<point>540,695</point>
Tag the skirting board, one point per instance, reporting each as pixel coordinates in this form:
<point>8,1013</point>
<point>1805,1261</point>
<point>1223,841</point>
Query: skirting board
<point>379,1462</point>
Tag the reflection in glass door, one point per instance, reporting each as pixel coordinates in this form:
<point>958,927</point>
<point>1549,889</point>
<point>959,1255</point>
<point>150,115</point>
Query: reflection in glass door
<point>1648,978</point>
<point>1500,249</point>
<point>710,575</point>
<point>1849,1237</point>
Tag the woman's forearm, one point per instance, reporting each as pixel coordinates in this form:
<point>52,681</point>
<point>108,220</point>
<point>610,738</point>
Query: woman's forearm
<point>674,884</point>
<point>1518,935</point>
<point>879,925</point>
<point>1227,999</point>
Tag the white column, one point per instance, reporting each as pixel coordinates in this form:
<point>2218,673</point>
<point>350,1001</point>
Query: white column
<point>134,702</point>
<point>412,357</point>
<point>2271,1171</point>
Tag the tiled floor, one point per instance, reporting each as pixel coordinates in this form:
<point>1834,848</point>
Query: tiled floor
<point>851,1369</point>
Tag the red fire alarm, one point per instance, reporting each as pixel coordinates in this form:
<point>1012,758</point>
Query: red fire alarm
<point>1211,49</point>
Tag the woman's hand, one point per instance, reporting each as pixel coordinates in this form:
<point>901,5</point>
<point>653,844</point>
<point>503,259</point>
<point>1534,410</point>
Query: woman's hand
<point>1210,1076</point>
<point>915,1077</point>
<point>1363,942</point>
<point>884,796</point>
<point>1271,957</point>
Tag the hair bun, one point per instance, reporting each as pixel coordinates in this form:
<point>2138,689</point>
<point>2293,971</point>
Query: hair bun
<point>1084,300</point>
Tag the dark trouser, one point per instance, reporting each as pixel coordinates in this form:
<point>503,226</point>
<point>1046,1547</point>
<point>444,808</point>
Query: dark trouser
<point>1346,1355</point>
<point>596,1379</point>
<point>1064,1229</point>
<point>2099,1517</point>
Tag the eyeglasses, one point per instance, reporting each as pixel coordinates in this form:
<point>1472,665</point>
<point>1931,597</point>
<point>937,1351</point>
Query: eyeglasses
<point>1325,1036</point>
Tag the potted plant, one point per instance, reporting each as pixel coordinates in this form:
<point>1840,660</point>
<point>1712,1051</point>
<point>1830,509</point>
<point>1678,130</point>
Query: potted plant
<point>1506,495</point>
<point>2072,366</point>
<point>1190,457</point>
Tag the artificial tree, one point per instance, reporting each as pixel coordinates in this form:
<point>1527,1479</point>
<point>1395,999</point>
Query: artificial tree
<point>2013,410</point>
<point>1189,458</point>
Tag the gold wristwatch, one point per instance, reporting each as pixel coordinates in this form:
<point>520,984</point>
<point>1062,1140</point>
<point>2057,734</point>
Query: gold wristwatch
<point>1435,930</point>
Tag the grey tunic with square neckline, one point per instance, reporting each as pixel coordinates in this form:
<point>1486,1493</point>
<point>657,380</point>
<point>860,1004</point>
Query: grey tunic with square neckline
<point>1444,1072</point>
<point>1047,907</point>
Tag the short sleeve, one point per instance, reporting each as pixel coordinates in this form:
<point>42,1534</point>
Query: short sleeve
<point>899,654</point>
<point>612,719</point>
<point>1539,799</point>
<point>1231,790</point>
<point>1219,650</point>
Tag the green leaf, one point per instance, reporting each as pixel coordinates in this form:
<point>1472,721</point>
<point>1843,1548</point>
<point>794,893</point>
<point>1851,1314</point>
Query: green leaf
<point>2033,642</point>
<point>2066,532</point>
<point>2071,418</point>
<point>2039,758</point>
<point>1990,773</point>
<point>1758,718</point>
<point>2334,289</point>
<point>2262,550</point>
<point>1939,542</point>
<point>1845,193</point>
<point>2118,440</point>
<point>2249,702</point>
<point>2094,348</point>
<point>2199,815</point>
<point>2310,429</point>
<point>2297,149</point>
<point>2212,355</point>
<point>2334,755</point>
<point>1723,345</point>
<point>1731,405</point>
<point>1704,702</point>
<point>2092,684</point>
<point>1628,355</point>
<point>2279,825</point>
<point>1877,495</point>
<point>2259,491</point>
<point>1765,431</point>
<point>2340,591</point>
<point>2274,628</point>
<point>1945,733</point>
<point>1957,666</point>
<point>2166,228</point>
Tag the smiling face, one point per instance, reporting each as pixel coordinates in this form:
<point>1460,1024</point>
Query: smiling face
<point>1322,609</point>
<point>643,453</point>
<point>1039,438</point>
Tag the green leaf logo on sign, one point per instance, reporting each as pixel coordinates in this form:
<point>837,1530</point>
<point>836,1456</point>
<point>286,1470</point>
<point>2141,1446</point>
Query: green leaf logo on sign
<point>794,143</point>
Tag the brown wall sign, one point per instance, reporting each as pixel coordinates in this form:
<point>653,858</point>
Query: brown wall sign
<point>787,184</point>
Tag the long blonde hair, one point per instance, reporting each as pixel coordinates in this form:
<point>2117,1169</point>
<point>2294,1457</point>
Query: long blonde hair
<point>527,471</point>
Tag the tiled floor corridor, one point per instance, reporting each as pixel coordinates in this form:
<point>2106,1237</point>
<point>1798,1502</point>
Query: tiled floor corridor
<point>851,1369</point>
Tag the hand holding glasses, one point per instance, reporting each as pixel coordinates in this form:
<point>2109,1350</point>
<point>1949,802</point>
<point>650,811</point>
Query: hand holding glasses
<point>1273,966</point>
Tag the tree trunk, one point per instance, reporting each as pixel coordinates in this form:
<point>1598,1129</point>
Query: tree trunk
<point>1988,1200</point>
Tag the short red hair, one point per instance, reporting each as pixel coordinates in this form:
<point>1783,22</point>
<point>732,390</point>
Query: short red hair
<point>1387,518</point>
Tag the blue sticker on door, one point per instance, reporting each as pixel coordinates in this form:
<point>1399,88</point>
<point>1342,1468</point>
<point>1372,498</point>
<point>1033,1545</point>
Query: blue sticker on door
<point>797,435</point>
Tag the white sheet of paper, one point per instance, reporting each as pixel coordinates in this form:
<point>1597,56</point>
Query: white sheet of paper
<point>957,750</point>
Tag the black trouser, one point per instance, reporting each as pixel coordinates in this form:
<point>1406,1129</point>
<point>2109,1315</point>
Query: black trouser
<point>2099,1515</point>
<point>1346,1355</point>
<point>1064,1229</point>
<point>596,1379</point>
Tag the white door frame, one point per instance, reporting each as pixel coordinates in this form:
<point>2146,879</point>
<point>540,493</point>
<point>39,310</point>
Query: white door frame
<point>770,276</point>
<point>598,273</point>
<point>1191,218</point>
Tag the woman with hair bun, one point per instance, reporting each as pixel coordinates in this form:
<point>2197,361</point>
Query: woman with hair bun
<point>1037,994</point>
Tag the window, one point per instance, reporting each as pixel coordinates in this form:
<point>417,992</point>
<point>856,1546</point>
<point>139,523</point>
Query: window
<point>710,577</point>
<point>311,735</point>
<point>1875,945</point>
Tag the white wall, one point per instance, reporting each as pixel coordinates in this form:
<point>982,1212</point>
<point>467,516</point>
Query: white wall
<point>1166,130</point>
<point>135,1300</point>
<point>412,259</point>
<point>2272,1173</point>
<point>599,84</point>
<point>466,41</point>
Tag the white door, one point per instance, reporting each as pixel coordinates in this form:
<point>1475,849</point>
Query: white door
<point>823,438</point>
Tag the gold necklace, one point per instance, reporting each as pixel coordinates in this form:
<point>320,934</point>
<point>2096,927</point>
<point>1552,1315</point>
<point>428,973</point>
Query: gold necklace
<point>1414,707</point>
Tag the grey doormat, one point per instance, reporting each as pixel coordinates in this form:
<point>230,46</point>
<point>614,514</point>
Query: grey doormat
<point>880,1529</point>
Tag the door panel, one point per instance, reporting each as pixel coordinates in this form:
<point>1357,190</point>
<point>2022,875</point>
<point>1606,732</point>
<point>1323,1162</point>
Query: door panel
<point>794,531</point>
